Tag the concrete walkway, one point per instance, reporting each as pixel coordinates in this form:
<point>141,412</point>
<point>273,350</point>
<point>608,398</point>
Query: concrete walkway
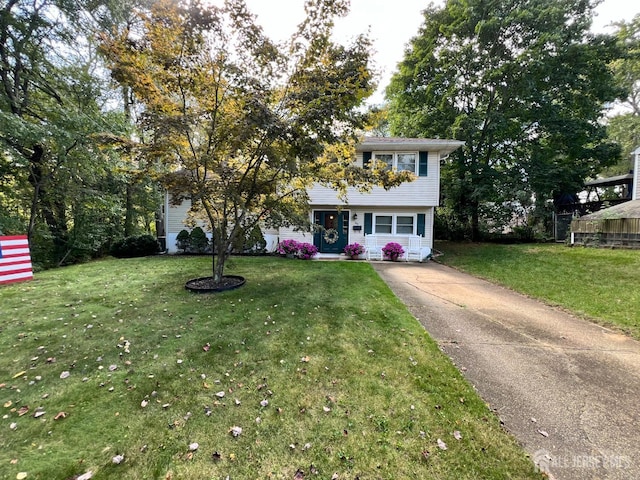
<point>567,389</point>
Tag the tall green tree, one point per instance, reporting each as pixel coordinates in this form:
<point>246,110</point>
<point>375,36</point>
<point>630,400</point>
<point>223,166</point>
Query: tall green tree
<point>57,183</point>
<point>238,124</point>
<point>624,125</point>
<point>523,83</point>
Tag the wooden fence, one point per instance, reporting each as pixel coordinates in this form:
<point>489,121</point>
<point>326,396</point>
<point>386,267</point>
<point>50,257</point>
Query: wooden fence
<point>622,232</point>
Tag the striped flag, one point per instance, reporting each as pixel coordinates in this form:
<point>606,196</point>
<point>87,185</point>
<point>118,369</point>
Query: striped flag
<point>15,259</point>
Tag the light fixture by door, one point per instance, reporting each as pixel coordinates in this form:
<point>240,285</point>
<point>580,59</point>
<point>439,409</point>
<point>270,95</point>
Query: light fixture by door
<point>355,216</point>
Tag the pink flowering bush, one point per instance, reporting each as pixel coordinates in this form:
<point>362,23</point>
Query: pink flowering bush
<point>307,251</point>
<point>354,249</point>
<point>392,251</point>
<point>288,247</point>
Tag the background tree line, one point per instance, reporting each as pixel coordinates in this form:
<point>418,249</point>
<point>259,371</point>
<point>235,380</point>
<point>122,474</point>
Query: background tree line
<point>524,84</point>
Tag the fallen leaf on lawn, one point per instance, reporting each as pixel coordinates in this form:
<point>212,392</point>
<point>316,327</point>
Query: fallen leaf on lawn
<point>425,454</point>
<point>144,403</point>
<point>457,435</point>
<point>543,433</point>
<point>306,446</point>
<point>13,461</point>
<point>60,415</point>
<point>215,456</point>
<point>441,445</point>
<point>65,374</point>
<point>334,476</point>
<point>299,475</point>
<point>235,431</point>
<point>13,426</point>
<point>8,404</point>
<point>305,359</point>
<point>206,347</point>
<point>21,475</point>
<point>19,374</point>
<point>23,410</point>
<point>39,413</point>
<point>220,394</point>
<point>113,368</point>
<point>193,446</point>
<point>326,409</point>
<point>264,403</point>
<point>85,476</point>
<point>118,459</point>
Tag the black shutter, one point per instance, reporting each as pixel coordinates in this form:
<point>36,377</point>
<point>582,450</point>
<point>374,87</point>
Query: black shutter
<point>422,220</point>
<point>368,223</point>
<point>424,161</point>
<point>366,159</point>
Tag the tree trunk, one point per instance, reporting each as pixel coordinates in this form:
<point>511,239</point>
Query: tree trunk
<point>129,212</point>
<point>218,265</point>
<point>475,221</point>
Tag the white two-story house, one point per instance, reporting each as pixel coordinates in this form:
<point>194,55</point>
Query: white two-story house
<point>389,215</point>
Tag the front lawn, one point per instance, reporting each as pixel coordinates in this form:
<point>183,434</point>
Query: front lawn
<point>601,284</point>
<point>311,370</point>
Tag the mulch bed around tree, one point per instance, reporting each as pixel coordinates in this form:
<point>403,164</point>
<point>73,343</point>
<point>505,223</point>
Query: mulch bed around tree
<point>207,285</point>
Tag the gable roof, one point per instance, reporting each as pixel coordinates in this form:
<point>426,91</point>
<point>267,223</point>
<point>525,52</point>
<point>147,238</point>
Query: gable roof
<point>396,144</point>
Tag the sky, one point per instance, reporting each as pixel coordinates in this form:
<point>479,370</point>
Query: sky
<point>392,23</point>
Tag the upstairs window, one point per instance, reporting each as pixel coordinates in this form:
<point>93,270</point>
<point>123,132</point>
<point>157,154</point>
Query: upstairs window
<point>397,161</point>
<point>414,162</point>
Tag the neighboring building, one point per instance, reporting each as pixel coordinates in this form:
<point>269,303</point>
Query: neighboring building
<point>392,215</point>
<point>618,225</point>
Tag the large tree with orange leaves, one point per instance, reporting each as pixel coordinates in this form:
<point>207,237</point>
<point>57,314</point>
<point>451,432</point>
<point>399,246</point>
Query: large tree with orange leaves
<point>240,124</point>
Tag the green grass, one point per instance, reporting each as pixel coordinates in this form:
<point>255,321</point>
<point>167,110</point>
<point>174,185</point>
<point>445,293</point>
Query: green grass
<point>354,385</point>
<point>601,284</point>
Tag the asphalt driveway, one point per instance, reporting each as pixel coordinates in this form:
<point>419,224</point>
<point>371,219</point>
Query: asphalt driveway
<point>567,389</point>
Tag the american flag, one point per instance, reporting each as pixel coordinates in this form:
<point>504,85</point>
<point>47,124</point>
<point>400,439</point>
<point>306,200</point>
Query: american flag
<point>15,259</point>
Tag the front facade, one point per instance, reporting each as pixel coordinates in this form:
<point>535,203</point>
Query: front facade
<point>392,215</point>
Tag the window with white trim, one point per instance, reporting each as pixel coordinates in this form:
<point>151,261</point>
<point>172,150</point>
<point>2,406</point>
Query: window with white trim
<point>395,224</point>
<point>404,225</point>
<point>384,224</point>
<point>399,161</point>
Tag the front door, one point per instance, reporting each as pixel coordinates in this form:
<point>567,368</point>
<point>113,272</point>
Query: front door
<point>333,230</point>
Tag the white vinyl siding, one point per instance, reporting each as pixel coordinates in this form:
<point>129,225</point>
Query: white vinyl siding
<point>176,216</point>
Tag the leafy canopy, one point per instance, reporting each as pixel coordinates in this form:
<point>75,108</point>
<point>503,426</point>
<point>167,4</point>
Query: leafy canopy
<point>523,83</point>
